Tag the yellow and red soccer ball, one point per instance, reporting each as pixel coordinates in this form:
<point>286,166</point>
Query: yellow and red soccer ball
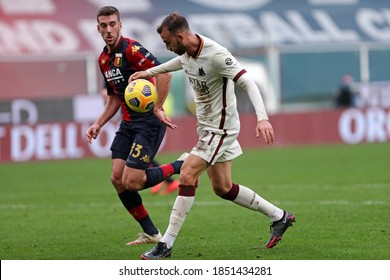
<point>140,95</point>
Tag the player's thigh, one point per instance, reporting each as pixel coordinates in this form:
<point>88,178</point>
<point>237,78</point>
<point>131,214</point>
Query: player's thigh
<point>138,160</point>
<point>121,144</point>
<point>133,179</point>
<point>120,148</point>
<point>220,176</point>
<point>141,153</point>
<point>117,165</point>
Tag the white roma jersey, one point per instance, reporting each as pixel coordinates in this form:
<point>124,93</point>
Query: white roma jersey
<point>211,74</point>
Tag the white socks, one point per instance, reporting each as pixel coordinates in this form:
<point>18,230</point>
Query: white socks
<point>180,209</point>
<point>251,200</point>
<point>245,197</point>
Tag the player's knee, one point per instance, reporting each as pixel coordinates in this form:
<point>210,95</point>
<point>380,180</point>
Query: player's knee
<point>187,179</point>
<point>220,189</point>
<point>116,181</point>
<point>132,183</point>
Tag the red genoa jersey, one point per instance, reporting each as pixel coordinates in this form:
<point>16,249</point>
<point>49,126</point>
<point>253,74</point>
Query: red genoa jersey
<point>128,57</point>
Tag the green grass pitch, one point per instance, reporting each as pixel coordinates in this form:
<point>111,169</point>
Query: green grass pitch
<point>340,194</point>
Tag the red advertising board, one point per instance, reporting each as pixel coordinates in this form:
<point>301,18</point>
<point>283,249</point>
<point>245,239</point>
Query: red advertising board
<point>65,140</point>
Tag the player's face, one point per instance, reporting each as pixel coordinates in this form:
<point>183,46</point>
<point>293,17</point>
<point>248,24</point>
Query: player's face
<point>173,42</point>
<point>110,29</point>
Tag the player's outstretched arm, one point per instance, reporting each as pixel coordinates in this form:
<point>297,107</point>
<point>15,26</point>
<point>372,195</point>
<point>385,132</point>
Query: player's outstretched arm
<point>170,66</point>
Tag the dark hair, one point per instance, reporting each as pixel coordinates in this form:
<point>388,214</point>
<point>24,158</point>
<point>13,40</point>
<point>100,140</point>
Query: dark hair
<point>174,22</point>
<point>108,11</point>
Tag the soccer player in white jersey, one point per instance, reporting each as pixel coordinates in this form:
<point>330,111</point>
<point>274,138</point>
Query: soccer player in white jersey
<point>212,71</point>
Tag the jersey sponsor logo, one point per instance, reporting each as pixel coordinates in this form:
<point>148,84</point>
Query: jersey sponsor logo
<point>200,87</point>
<point>229,61</point>
<point>113,74</point>
<point>118,60</point>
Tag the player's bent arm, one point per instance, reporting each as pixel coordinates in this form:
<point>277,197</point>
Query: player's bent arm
<point>112,106</point>
<point>263,127</point>
<point>247,83</point>
<point>163,82</point>
<point>110,109</point>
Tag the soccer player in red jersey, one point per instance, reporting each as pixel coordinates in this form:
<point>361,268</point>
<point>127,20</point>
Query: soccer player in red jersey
<point>169,185</point>
<point>140,134</point>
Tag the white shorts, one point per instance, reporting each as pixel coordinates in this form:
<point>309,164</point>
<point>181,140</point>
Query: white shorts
<point>217,146</point>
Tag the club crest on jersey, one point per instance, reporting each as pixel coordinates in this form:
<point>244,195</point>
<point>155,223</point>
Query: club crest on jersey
<point>201,72</point>
<point>118,60</point>
<point>229,61</point>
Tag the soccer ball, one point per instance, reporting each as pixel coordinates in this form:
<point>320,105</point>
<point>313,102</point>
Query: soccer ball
<point>141,95</point>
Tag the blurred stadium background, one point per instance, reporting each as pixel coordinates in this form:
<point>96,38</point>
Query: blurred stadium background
<point>296,50</point>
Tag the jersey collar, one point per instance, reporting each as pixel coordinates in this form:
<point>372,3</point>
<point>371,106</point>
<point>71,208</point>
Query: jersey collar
<point>200,47</point>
